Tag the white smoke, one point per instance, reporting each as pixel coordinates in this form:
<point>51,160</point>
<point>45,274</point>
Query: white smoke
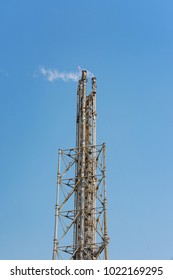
<point>53,74</point>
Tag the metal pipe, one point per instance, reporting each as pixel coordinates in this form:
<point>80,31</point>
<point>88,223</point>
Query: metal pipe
<point>75,234</point>
<point>105,203</point>
<point>55,249</point>
<point>94,156</point>
<point>83,128</point>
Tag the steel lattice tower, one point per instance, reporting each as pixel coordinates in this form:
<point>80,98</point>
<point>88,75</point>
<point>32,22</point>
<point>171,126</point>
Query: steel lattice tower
<point>81,206</point>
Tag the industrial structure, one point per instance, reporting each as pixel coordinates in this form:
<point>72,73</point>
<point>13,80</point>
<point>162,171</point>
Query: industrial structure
<point>81,207</point>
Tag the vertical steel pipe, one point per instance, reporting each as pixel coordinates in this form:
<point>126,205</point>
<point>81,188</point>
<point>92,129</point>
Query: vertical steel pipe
<point>57,207</point>
<point>105,204</point>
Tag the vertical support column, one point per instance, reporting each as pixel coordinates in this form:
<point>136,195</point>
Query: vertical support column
<point>78,168</point>
<point>75,234</point>
<point>82,186</point>
<point>57,208</point>
<point>94,164</point>
<point>77,115</point>
<point>105,203</point>
<point>94,110</point>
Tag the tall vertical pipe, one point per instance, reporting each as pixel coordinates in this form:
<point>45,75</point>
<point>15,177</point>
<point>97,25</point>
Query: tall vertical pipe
<point>94,157</point>
<point>105,203</point>
<point>83,128</point>
<point>75,233</point>
<point>57,207</point>
<point>94,109</point>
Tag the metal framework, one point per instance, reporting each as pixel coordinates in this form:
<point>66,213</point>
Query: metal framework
<point>81,206</point>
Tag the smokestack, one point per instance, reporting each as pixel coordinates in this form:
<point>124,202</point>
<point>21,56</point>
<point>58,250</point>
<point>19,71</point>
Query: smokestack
<point>84,74</point>
<point>81,209</point>
<point>94,84</point>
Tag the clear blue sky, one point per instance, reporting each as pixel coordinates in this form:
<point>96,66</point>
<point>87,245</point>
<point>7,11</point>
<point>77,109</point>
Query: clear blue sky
<point>128,45</point>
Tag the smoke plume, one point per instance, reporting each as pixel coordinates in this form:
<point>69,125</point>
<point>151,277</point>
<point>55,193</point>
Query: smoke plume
<point>53,74</point>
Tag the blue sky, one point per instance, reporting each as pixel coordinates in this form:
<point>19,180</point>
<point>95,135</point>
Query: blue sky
<point>128,45</point>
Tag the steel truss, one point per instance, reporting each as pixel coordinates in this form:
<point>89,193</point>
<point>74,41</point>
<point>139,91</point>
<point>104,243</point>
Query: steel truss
<point>81,205</point>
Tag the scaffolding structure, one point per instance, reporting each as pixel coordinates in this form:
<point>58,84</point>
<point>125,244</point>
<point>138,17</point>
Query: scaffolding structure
<point>81,207</point>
